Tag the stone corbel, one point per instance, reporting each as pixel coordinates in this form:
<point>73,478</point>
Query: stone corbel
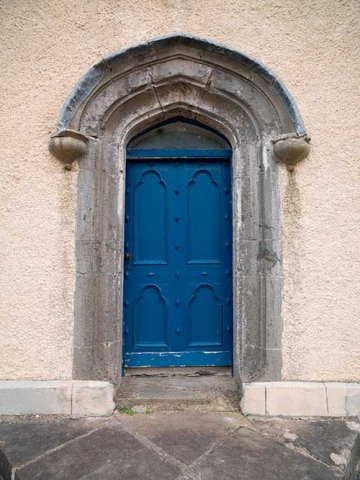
<point>291,149</point>
<point>68,146</point>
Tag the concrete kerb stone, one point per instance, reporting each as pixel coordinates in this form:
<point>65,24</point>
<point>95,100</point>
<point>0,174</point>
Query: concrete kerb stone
<point>91,398</point>
<point>58,397</point>
<point>294,399</point>
<point>35,397</point>
<point>301,399</point>
<point>253,399</point>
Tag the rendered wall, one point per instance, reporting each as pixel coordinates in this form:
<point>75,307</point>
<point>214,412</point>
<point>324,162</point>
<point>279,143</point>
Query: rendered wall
<point>312,45</point>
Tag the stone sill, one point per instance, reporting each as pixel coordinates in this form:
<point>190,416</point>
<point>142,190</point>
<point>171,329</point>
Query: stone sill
<point>301,399</point>
<point>58,397</point>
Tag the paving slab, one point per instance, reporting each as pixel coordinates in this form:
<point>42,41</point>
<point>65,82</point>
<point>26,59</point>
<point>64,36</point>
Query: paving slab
<point>333,442</point>
<point>248,455</point>
<point>185,435</point>
<point>180,393</point>
<point>109,453</point>
<point>24,438</point>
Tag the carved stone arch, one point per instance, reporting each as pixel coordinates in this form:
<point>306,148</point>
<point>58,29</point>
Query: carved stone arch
<point>131,90</point>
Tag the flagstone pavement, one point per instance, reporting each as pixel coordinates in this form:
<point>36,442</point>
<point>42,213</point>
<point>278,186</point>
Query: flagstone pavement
<point>178,445</point>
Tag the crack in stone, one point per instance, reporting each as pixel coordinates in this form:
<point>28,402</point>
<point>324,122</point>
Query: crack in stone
<point>212,448</point>
<point>168,458</point>
<point>155,91</point>
<point>108,69</point>
<point>206,86</point>
<point>187,471</point>
<point>327,400</point>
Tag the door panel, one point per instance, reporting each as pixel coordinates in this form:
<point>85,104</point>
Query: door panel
<point>204,317</point>
<point>150,333</point>
<point>203,226</point>
<point>150,231</point>
<point>178,281</point>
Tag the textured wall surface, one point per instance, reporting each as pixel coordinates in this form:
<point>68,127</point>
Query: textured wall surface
<point>312,45</point>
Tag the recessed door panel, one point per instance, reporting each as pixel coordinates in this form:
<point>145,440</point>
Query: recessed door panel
<point>150,242</point>
<point>150,318</point>
<point>205,325</point>
<point>177,268</point>
<point>203,215</point>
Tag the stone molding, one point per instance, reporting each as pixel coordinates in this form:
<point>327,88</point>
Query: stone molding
<point>106,68</point>
<point>68,146</point>
<point>290,149</point>
<point>56,397</point>
<point>301,399</point>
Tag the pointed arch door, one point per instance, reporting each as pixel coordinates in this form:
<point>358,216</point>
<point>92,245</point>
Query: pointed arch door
<point>178,259</point>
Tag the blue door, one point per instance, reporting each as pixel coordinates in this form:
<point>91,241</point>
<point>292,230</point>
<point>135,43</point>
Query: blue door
<point>178,259</point>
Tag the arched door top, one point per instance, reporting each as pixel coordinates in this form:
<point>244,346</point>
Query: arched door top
<point>147,53</point>
<point>178,133</point>
<point>181,73</point>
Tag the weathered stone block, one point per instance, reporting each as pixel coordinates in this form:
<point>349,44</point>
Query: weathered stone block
<point>352,402</point>
<point>58,397</point>
<point>93,399</point>
<point>336,396</point>
<point>343,399</point>
<point>253,399</point>
<point>301,399</point>
<point>296,399</point>
<point>28,397</point>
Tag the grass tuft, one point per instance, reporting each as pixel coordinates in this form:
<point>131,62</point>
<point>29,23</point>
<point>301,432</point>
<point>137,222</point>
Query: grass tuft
<point>126,411</point>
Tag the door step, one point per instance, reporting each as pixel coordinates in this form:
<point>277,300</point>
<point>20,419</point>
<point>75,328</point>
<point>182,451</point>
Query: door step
<point>209,393</point>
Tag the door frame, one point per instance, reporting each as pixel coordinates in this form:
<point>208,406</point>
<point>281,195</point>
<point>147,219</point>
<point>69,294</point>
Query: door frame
<point>122,95</point>
<point>257,247</point>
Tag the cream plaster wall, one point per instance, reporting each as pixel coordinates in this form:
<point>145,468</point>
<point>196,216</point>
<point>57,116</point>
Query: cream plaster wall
<point>313,45</point>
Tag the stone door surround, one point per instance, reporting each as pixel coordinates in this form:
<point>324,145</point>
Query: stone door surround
<point>131,90</point>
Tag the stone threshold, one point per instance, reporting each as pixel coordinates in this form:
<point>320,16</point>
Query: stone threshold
<point>178,371</point>
<point>301,399</point>
<point>210,393</point>
<point>77,398</point>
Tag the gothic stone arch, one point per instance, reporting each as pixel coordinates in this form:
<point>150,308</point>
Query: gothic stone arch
<point>179,75</point>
